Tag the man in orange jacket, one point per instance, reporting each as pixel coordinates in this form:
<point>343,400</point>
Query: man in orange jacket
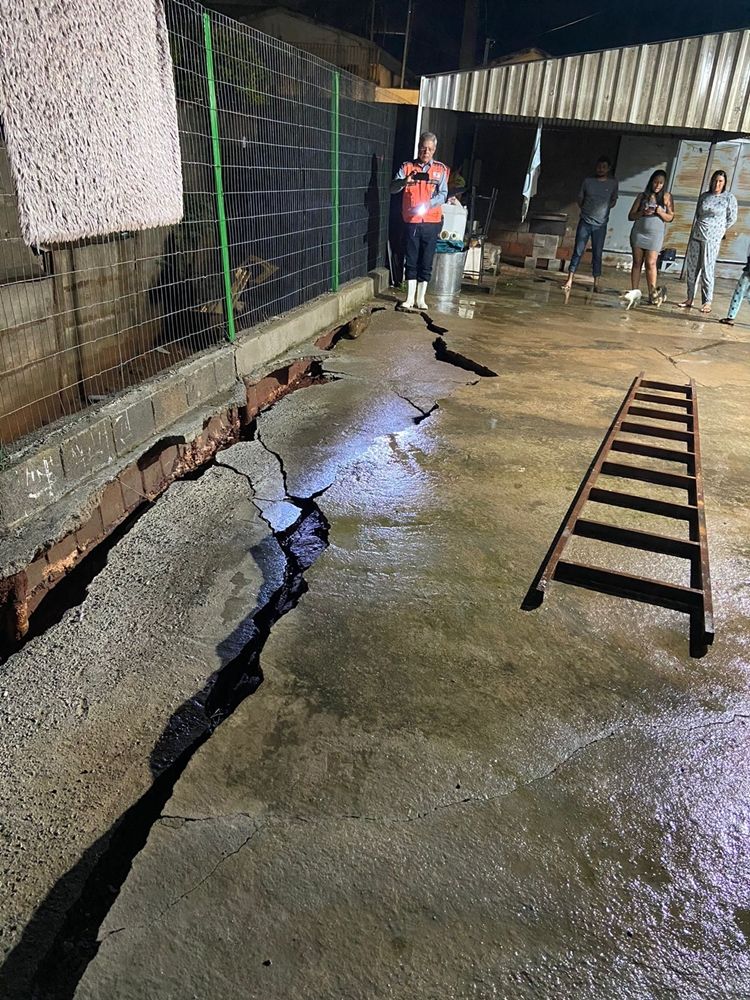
<point>424,183</point>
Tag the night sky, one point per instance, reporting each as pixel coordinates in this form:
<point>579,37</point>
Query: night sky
<point>437,24</point>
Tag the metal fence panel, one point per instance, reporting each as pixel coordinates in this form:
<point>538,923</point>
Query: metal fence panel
<point>297,137</point>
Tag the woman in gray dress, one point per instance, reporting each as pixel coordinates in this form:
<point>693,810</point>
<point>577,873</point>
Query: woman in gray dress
<point>715,213</point>
<point>650,213</point>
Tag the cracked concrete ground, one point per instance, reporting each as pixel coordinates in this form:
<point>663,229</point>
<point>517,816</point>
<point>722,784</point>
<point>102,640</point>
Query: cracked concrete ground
<point>84,705</point>
<point>434,793</point>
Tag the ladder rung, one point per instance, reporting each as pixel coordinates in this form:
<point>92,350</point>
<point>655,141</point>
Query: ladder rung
<point>651,430</point>
<point>623,471</point>
<point>653,451</point>
<point>633,539</point>
<point>637,588</point>
<point>647,411</point>
<point>631,501</point>
<point>647,397</point>
<point>667,386</point>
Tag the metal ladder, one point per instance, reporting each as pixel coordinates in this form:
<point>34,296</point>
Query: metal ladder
<point>676,405</point>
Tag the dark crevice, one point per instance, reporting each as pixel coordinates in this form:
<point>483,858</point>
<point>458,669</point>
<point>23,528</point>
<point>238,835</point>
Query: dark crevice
<point>61,599</point>
<point>443,353</point>
<point>106,865</point>
<point>95,881</point>
<point>224,690</point>
<point>423,414</point>
<point>432,326</point>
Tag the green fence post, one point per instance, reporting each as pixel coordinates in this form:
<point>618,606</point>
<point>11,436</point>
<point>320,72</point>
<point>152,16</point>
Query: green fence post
<point>218,182</point>
<point>335,182</point>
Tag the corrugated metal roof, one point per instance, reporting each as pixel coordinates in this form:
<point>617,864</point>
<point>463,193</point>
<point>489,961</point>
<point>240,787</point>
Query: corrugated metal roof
<point>694,86</point>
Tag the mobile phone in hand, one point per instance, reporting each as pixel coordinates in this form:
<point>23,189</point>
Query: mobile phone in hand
<point>421,176</point>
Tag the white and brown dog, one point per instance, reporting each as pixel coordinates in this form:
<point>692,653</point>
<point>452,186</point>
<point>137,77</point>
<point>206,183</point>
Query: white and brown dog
<point>633,297</point>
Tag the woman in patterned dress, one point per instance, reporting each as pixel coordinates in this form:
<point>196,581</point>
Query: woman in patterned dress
<point>716,212</point>
<point>650,213</point>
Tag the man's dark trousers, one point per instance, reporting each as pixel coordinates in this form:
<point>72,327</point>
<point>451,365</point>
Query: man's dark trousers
<point>421,239</point>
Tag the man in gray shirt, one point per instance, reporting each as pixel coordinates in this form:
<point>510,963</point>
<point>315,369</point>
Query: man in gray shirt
<point>598,195</point>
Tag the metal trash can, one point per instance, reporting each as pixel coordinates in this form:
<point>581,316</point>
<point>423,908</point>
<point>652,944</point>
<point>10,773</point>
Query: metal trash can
<point>447,274</point>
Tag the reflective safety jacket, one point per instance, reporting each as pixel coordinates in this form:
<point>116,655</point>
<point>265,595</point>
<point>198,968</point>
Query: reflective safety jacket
<point>421,202</point>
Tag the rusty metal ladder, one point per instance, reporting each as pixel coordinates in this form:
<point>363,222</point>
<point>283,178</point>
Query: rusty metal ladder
<point>674,405</point>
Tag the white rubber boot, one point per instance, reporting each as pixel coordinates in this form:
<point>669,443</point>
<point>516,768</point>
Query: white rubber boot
<point>411,291</point>
<point>421,289</point>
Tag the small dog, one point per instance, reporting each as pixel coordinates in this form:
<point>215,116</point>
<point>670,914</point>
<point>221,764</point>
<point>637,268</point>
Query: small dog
<point>631,299</point>
<point>658,296</point>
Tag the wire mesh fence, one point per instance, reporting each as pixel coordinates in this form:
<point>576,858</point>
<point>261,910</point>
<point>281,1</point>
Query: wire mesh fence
<point>303,157</point>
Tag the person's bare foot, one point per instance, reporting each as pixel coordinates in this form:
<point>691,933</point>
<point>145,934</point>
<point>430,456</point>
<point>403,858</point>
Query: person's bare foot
<point>706,308</point>
<point>687,304</point>
<point>597,287</point>
<point>568,285</point>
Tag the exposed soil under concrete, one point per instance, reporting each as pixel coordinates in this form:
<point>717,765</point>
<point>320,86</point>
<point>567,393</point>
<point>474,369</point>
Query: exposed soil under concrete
<point>31,599</point>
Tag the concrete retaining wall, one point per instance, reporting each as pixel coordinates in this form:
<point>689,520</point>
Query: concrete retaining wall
<point>53,482</point>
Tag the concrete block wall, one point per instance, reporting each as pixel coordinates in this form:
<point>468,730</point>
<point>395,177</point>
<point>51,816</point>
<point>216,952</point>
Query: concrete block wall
<point>83,477</point>
<point>518,244</point>
<point>88,444</point>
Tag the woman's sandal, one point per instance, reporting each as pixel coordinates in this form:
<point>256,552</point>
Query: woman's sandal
<point>685,305</point>
<point>706,308</point>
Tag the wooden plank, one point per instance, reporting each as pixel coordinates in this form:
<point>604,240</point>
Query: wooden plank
<point>396,95</point>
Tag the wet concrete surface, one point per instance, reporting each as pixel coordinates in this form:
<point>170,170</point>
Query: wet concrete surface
<point>84,707</point>
<point>434,793</point>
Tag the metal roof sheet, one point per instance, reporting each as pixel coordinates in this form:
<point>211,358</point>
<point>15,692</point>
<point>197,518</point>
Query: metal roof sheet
<point>693,86</point>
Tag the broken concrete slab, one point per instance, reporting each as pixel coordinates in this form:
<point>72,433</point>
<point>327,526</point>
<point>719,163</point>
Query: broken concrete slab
<point>265,473</point>
<point>252,459</point>
<point>85,705</point>
<point>320,430</point>
<point>428,796</point>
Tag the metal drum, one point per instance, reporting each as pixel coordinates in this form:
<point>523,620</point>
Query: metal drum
<point>447,274</point>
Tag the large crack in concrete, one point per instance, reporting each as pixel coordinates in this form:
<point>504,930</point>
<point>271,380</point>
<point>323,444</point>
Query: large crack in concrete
<point>188,729</point>
<point>444,353</point>
<point>58,972</point>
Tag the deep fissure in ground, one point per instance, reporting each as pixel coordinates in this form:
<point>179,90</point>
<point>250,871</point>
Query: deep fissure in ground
<point>108,862</point>
<point>76,943</point>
